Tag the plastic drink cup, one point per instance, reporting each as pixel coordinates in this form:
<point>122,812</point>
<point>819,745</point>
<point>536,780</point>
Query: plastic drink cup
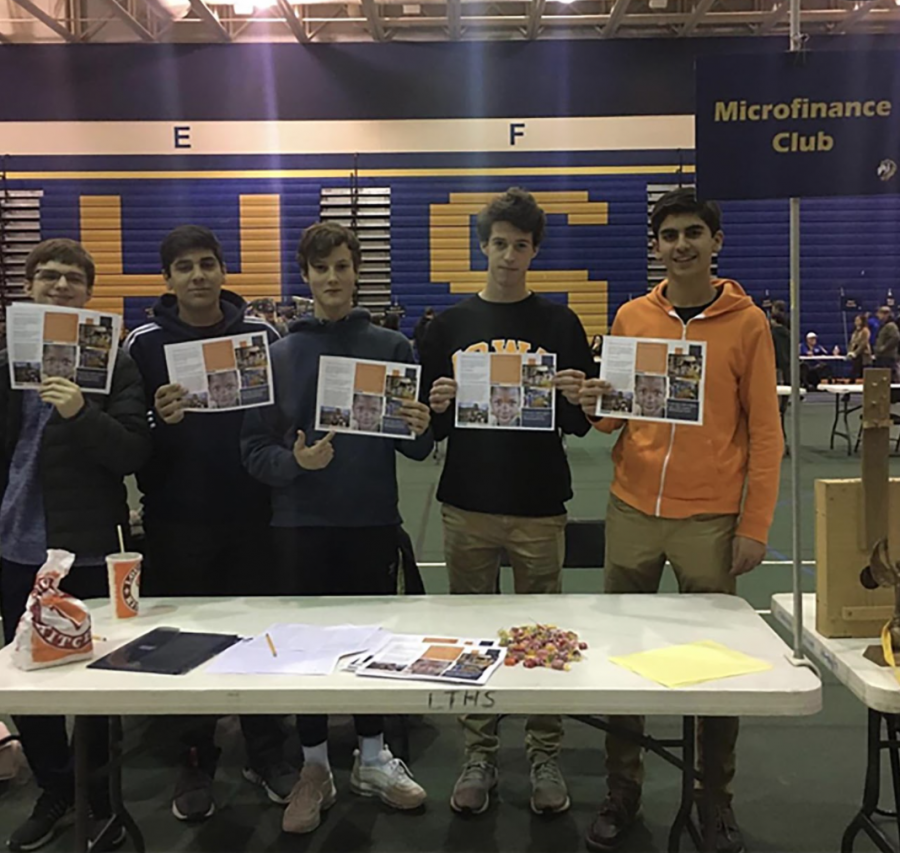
<point>124,572</point>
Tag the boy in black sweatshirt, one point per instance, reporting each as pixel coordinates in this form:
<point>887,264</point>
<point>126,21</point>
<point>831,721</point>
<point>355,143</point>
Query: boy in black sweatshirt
<point>334,499</point>
<point>504,489</point>
<point>206,519</point>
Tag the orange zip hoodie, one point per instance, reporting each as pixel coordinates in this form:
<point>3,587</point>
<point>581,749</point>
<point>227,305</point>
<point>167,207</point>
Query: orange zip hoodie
<point>676,471</point>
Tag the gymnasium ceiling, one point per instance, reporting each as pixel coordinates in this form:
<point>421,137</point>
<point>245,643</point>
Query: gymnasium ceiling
<point>206,21</point>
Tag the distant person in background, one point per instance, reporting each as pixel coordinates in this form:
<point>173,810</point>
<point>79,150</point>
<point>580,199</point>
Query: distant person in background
<point>421,329</point>
<point>265,310</point>
<point>780,325</point>
<point>392,321</point>
<point>874,326</point>
<point>887,344</point>
<point>597,346</point>
<point>859,353</point>
<point>812,372</point>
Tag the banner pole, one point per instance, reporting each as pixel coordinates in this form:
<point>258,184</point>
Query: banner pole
<point>796,46</point>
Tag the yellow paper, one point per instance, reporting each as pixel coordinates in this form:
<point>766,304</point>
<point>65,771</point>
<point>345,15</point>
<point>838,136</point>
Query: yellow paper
<point>887,646</point>
<point>691,663</point>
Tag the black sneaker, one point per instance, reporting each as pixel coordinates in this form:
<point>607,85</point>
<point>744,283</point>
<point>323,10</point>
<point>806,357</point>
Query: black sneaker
<point>728,833</point>
<point>614,818</point>
<point>277,779</point>
<point>111,840</point>
<point>193,798</point>
<point>51,814</point>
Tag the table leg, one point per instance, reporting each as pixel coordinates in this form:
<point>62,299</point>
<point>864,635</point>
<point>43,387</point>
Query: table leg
<point>837,415</point>
<point>894,754</point>
<point>706,805</point>
<point>120,813</point>
<point>863,822</point>
<point>683,820</point>
<point>847,424</point>
<point>80,737</point>
<point>782,405</point>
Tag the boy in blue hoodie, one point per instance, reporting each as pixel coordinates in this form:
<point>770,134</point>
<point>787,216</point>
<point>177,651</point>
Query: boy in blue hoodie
<point>334,499</point>
<point>206,519</point>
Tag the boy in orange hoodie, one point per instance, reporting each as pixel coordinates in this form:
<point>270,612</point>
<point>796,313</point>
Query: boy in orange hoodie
<point>701,497</point>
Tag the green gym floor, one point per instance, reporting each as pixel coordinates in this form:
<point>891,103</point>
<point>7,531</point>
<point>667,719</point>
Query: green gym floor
<point>799,780</point>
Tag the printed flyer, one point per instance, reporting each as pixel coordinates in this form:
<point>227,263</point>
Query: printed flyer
<point>506,391</point>
<point>653,380</point>
<point>365,397</point>
<point>223,374</point>
<point>73,343</point>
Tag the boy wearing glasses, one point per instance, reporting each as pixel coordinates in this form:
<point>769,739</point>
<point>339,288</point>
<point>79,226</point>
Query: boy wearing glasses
<point>63,457</point>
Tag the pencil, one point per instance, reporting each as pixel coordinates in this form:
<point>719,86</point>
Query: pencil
<point>271,646</point>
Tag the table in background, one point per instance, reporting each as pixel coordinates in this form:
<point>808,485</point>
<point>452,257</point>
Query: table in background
<point>831,361</point>
<point>842,394</point>
<point>610,624</point>
<point>784,399</point>
<point>877,688</point>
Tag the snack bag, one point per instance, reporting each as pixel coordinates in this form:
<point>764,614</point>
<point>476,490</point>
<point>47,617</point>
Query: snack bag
<point>55,627</point>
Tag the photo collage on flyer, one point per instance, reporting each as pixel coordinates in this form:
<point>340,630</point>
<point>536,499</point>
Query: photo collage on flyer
<point>653,379</point>
<point>365,397</point>
<point>223,374</point>
<point>73,344</point>
<point>435,659</point>
<point>506,391</point>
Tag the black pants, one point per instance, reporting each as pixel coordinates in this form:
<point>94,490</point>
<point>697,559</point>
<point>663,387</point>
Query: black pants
<point>201,560</point>
<point>223,559</point>
<point>337,561</point>
<point>44,739</point>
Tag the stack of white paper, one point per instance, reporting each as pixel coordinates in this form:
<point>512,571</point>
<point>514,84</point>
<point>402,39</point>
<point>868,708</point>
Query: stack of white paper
<point>296,649</point>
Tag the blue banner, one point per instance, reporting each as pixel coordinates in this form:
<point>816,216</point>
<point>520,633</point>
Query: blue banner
<point>798,124</point>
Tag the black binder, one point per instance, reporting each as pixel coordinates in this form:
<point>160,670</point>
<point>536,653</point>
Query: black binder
<point>167,651</point>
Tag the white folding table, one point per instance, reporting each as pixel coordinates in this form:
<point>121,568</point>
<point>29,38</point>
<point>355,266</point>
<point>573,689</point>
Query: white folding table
<point>877,688</point>
<point>610,624</point>
<point>842,395</point>
<point>784,399</point>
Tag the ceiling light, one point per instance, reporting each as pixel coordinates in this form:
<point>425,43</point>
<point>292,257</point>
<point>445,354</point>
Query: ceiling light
<point>176,8</point>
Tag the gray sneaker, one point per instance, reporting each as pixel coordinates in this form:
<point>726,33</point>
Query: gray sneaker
<point>549,794</point>
<point>472,791</point>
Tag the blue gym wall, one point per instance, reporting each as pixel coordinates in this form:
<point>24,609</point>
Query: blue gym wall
<point>848,243</point>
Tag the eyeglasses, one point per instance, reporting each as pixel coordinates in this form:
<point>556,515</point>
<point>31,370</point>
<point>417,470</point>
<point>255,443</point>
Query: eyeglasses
<point>45,276</point>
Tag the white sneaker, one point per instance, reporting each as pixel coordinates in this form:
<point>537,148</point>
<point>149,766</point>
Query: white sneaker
<point>389,780</point>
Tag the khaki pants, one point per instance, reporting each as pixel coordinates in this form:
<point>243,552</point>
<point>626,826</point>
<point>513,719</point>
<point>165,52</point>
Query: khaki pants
<point>536,548</point>
<point>699,549</point>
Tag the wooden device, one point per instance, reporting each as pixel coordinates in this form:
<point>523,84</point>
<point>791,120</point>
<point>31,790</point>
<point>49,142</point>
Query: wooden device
<point>852,518</point>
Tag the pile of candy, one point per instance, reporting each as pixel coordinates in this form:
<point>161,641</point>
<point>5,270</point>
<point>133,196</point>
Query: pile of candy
<point>541,645</point>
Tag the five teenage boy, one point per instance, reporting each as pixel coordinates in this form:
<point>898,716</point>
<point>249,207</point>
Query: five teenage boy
<point>221,489</point>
